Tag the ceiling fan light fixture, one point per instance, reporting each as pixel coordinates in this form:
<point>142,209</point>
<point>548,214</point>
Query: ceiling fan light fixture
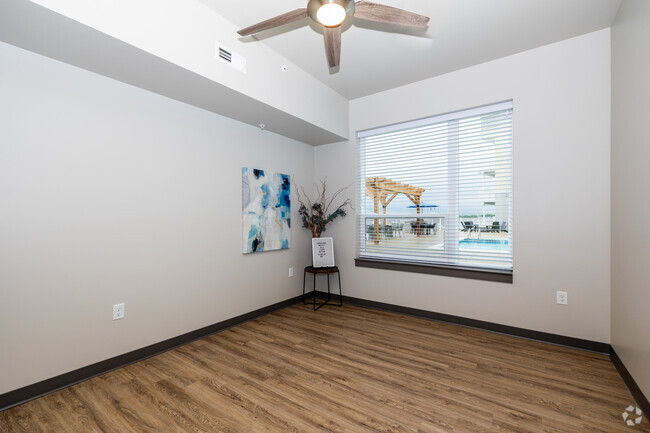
<point>331,14</point>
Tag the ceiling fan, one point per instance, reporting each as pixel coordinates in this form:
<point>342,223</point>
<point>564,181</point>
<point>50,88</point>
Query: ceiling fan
<point>331,14</point>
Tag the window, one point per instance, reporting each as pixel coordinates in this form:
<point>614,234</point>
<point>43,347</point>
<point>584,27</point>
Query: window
<point>438,191</point>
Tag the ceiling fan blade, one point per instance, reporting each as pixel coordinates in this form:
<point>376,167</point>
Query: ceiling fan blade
<point>388,14</point>
<point>333,45</point>
<point>280,20</point>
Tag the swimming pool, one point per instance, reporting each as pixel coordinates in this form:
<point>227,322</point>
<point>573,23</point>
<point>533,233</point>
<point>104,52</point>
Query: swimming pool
<point>484,244</point>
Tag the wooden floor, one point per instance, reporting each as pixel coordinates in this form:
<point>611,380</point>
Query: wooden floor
<point>344,369</point>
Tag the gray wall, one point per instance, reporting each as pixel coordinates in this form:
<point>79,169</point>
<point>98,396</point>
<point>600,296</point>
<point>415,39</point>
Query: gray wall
<point>561,95</point>
<point>630,186</point>
<point>109,193</point>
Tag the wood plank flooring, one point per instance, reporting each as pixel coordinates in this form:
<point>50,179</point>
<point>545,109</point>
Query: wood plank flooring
<point>345,369</point>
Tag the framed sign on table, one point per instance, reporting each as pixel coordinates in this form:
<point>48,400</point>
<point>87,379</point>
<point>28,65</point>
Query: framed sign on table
<point>322,250</point>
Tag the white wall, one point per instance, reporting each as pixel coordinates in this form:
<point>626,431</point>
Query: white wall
<point>561,96</point>
<point>108,194</point>
<point>630,183</point>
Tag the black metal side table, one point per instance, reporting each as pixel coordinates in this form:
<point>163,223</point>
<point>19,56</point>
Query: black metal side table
<point>326,271</point>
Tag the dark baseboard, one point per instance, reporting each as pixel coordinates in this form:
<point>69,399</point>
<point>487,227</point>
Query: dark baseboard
<point>636,392</point>
<point>545,337</point>
<point>30,392</point>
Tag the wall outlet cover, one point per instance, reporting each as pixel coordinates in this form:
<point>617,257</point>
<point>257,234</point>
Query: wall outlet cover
<point>562,298</point>
<point>118,311</point>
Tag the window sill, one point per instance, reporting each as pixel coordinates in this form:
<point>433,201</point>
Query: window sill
<point>495,275</point>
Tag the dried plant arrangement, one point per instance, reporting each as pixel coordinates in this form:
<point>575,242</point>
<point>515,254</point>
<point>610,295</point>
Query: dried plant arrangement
<point>315,213</point>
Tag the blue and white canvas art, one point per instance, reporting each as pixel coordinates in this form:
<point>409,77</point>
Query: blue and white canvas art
<point>266,208</point>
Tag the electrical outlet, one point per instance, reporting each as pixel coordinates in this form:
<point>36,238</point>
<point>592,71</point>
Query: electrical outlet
<point>118,311</point>
<point>290,272</point>
<point>562,298</point>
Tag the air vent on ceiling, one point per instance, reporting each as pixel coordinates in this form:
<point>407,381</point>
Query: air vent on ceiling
<point>230,58</point>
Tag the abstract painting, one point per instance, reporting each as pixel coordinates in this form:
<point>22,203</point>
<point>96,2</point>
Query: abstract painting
<point>266,208</point>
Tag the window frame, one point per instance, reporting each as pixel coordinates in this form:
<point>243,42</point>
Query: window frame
<point>375,261</point>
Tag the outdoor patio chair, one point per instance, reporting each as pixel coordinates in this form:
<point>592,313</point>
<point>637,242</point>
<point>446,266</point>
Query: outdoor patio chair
<point>494,228</point>
<point>468,226</point>
<point>370,232</point>
<point>430,228</point>
<point>504,226</point>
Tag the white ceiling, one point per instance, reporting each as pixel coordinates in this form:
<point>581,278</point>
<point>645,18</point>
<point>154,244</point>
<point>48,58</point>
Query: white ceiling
<point>461,33</point>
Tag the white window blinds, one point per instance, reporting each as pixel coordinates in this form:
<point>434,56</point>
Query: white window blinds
<point>439,190</point>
